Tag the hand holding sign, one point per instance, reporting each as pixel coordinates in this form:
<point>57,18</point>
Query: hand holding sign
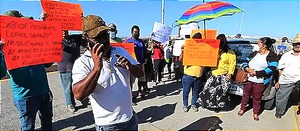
<point>70,15</point>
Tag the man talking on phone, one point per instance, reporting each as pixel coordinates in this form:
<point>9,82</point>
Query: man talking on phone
<point>102,73</point>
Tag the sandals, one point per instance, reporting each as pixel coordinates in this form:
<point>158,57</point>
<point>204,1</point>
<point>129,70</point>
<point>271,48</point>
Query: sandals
<point>255,117</point>
<point>241,113</point>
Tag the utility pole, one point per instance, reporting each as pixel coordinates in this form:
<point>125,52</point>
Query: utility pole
<point>243,17</point>
<point>162,11</point>
<point>204,25</point>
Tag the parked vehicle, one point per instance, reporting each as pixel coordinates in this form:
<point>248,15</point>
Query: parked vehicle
<point>242,49</point>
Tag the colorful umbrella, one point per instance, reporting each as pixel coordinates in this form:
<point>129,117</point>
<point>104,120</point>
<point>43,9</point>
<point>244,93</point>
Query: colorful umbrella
<point>207,11</point>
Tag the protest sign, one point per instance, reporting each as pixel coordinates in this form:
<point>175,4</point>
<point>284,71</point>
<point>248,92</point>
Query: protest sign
<point>29,42</point>
<point>201,52</point>
<point>161,33</point>
<point>69,15</point>
<point>186,29</point>
<point>127,46</point>
<point>177,47</point>
<point>210,34</point>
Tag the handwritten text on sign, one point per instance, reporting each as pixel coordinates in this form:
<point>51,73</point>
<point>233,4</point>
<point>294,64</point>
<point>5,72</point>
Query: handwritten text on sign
<point>201,52</point>
<point>161,33</point>
<point>29,42</point>
<point>69,15</point>
<point>129,47</point>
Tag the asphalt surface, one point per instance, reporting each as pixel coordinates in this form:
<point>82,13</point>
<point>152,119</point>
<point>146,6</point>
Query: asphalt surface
<point>160,110</point>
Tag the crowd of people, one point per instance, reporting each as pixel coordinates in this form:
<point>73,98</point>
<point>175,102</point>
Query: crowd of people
<point>104,75</point>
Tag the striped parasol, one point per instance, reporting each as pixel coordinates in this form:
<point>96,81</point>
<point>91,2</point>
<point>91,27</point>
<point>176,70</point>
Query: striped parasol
<point>207,11</point>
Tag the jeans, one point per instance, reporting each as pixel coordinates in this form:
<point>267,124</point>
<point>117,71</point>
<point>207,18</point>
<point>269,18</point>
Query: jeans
<point>66,81</point>
<point>132,124</point>
<point>256,90</point>
<point>187,83</point>
<point>28,108</point>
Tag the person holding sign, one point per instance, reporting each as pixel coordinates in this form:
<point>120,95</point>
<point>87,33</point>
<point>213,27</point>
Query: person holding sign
<point>31,91</point>
<point>260,66</point>
<point>191,79</point>
<point>214,94</point>
<point>71,51</point>
<point>102,73</point>
<point>113,34</point>
<point>158,58</point>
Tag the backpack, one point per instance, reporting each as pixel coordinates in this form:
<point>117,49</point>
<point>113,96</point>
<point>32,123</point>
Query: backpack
<point>168,54</point>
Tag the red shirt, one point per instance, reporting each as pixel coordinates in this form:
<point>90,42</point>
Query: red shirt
<point>158,53</point>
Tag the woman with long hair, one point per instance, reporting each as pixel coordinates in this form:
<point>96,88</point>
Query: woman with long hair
<point>259,65</point>
<point>214,94</point>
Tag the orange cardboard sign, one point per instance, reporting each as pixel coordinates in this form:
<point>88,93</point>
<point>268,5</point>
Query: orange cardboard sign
<point>127,46</point>
<point>69,15</point>
<point>29,42</point>
<point>210,34</point>
<point>201,52</point>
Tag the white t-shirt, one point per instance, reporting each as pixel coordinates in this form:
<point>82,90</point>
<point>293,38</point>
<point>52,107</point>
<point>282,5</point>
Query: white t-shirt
<point>111,99</point>
<point>258,63</point>
<point>290,63</point>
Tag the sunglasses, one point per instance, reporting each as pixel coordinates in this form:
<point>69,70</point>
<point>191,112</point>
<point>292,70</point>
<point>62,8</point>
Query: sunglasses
<point>102,37</point>
<point>296,44</point>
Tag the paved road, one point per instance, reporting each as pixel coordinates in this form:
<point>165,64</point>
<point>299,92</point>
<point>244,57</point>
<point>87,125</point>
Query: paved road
<point>161,110</point>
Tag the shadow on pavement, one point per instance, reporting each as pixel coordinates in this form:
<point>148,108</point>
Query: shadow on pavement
<point>155,113</point>
<point>206,123</point>
<point>81,120</point>
<point>173,88</point>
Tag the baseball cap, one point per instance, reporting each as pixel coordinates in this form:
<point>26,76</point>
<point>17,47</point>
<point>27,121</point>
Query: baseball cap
<point>16,13</point>
<point>93,25</point>
<point>297,39</point>
<point>112,26</point>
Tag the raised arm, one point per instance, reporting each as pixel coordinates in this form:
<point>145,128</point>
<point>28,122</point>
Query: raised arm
<point>87,85</point>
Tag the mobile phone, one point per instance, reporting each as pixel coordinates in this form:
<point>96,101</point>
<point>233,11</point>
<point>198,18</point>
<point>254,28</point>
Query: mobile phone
<point>90,43</point>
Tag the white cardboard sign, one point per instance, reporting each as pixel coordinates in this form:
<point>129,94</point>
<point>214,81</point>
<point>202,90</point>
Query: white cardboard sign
<point>187,29</point>
<point>161,33</point>
<point>177,47</point>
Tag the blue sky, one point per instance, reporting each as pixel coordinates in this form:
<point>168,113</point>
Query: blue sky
<point>261,18</point>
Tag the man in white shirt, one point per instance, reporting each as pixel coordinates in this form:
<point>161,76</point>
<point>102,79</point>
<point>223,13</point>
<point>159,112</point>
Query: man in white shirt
<point>289,76</point>
<point>103,74</point>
